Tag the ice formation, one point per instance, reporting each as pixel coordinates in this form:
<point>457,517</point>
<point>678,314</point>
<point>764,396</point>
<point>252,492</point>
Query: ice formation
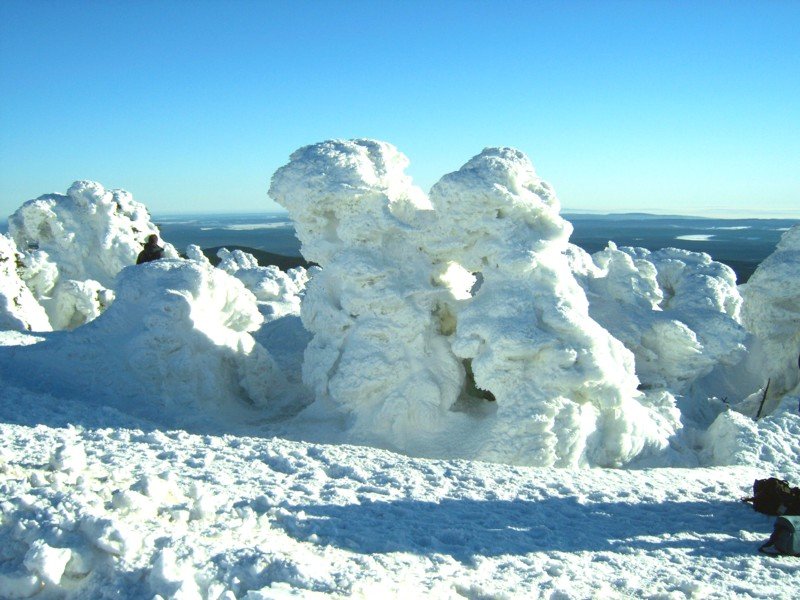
<point>677,311</point>
<point>75,244</point>
<point>565,388</point>
<point>177,340</point>
<point>772,314</point>
<point>417,297</point>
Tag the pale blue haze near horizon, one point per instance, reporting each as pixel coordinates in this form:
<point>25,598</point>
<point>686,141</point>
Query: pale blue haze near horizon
<point>679,107</point>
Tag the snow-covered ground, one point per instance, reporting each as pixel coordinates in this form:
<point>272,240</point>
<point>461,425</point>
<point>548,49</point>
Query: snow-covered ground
<point>387,426</point>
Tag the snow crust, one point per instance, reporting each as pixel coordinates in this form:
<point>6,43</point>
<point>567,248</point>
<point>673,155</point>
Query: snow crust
<point>144,514</point>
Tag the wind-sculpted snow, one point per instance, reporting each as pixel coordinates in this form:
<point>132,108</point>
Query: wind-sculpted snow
<point>376,353</point>
<point>175,346</point>
<point>19,310</point>
<point>772,313</point>
<point>399,336</point>
<point>677,311</point>
<point>77,243</point>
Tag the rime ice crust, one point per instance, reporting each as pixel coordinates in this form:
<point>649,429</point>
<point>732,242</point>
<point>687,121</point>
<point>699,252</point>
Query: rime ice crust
<point>398,333</point>
<point>75,245</point>
<point>376,353</point>
<point>771,313</point>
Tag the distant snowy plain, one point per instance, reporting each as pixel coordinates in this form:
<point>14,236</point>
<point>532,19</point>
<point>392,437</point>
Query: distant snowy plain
<point>167,431</point>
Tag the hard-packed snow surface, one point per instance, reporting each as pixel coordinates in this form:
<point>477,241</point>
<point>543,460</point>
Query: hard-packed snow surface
<point>131,513</point>
<point>189,433</point>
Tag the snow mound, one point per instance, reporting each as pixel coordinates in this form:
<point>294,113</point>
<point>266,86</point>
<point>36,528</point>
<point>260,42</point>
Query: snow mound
<point>19,310</point>
<point>88,235</point>
<point>772,443</point>
<point>484,345</point>
<point>175,347</point>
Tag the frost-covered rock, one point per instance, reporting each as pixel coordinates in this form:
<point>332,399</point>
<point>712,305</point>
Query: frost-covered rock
<point>19,310</point>
<point>771,313</point>
<point>89,234</point>
<point>421,316</point>
<point>177,340</point>
<point>677,311</point>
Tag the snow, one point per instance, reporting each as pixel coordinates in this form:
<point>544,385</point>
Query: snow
<point>72,247</point>
<point>393,423</point>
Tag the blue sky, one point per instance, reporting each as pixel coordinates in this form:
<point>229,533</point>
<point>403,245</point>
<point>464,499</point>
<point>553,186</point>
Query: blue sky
<point>191,106</point>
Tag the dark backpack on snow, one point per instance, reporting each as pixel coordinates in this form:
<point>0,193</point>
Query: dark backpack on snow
<point>775,497</point>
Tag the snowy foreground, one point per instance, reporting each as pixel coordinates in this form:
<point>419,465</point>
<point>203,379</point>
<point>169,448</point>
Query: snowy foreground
<point>456,403</point>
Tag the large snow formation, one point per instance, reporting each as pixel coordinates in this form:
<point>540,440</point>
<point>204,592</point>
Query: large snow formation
<point>399,335</point>
<point>772,313</point>
<point>74,245</point>
<point>376,353</point>
<point>175,346</point>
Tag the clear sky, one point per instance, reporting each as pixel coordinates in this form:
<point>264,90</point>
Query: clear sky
<point>192,105</point>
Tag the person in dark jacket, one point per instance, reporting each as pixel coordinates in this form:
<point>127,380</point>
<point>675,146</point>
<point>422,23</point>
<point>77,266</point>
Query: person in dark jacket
<point>152,251</point>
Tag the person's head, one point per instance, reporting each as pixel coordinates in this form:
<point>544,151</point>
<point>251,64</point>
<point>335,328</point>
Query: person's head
<point>152,239</point>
